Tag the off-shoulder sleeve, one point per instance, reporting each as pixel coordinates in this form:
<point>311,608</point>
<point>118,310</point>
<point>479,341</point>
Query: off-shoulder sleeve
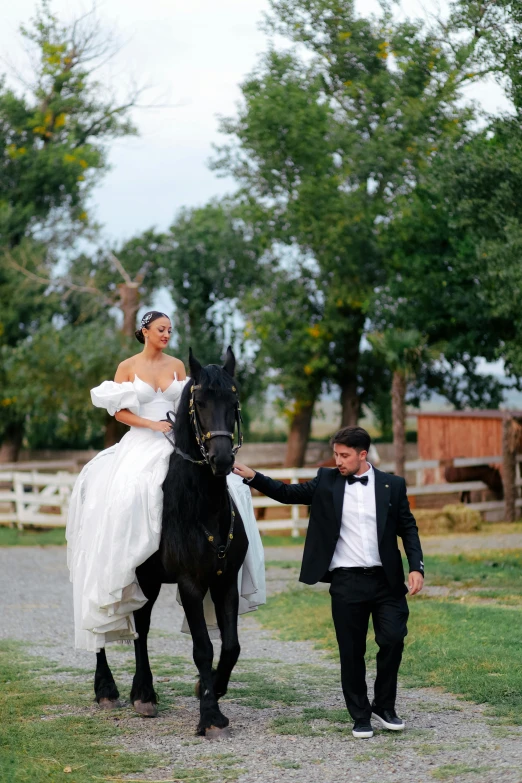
<point>115,396</point>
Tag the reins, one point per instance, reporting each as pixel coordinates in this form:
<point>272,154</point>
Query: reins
<point>221,551</point>
<point>202,438</point>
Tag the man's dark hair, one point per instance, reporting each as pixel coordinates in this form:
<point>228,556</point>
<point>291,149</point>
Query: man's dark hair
<point>353,437</point>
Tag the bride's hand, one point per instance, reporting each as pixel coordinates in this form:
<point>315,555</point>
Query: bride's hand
<point>160,426</point>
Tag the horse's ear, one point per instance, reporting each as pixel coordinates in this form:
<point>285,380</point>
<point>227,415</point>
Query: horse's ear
<point>195,367</point>
<point>230,362</point>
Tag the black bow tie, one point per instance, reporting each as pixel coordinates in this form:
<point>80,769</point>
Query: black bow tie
<point>353,479</point>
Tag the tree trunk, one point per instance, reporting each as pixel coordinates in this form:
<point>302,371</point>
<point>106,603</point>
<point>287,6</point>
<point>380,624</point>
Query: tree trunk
<point>349,403</point>
<point>299,434</point>
<point>346,376</point>
<point>399,386</point>
<point>12,442</point>
<point>509,466</point>
<point>129,304</point>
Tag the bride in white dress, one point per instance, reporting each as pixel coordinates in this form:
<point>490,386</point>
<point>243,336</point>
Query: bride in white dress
<point>115,513</point>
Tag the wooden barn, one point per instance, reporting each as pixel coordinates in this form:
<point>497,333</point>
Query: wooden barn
<point>465,442</point>
<point>451,434</point>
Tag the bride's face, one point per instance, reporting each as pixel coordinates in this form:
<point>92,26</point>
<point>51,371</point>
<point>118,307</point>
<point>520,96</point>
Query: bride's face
<point>158,334</point>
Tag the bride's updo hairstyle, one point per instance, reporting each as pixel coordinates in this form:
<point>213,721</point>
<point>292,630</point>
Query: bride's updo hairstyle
<point>146,321</point>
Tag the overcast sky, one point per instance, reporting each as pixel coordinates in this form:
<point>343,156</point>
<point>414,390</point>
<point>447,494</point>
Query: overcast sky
<point>194,54</point>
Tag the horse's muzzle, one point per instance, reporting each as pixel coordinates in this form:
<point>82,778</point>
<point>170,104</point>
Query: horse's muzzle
<point>221,465</point>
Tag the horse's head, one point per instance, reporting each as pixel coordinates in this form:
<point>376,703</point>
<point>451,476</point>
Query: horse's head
<point>216,408</point>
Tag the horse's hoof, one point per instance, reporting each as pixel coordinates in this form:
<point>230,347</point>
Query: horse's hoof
<point>109,704</point>
<point>146,708</point>
<point>213,733</point>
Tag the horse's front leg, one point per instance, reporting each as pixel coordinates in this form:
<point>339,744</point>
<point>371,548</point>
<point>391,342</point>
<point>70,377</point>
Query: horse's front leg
<point>212,722</point>
<point>105,690</point>
<point>226,601</point>
<point>142,695</point>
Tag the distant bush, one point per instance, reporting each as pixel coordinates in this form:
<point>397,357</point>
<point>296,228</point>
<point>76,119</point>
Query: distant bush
<point>411,437</point>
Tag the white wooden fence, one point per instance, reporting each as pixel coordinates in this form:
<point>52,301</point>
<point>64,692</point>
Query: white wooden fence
<point>295,523</point>
<point>33,498</point>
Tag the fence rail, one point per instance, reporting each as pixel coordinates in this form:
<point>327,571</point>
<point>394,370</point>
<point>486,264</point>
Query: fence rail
<point>296,523</point>
<point>29,497</point>
<point>35,498</point>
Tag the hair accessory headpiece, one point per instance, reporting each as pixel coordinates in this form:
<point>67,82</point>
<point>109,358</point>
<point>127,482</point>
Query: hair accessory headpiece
<point>147,318</point>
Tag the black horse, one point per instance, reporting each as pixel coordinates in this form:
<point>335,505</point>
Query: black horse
<point>203,545</point>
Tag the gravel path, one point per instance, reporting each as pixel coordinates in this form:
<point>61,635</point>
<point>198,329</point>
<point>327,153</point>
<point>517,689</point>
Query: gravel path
<point>446,738</point>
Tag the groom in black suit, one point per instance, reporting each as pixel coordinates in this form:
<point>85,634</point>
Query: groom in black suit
<point>356,514</point>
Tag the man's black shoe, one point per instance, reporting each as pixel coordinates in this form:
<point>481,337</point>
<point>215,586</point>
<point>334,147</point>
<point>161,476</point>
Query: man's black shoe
<point>362,729</point>
<point>388,719</point>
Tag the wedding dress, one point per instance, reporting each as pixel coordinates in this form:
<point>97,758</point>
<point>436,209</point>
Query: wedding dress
<point>114,521</point>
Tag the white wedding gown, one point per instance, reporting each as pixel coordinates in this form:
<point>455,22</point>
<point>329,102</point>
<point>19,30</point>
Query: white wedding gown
<point>114,521</point>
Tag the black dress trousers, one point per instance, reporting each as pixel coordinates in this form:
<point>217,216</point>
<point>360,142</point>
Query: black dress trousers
<point>356,594</point>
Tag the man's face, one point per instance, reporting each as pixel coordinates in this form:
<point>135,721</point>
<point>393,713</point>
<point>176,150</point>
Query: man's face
<point>348,460</point>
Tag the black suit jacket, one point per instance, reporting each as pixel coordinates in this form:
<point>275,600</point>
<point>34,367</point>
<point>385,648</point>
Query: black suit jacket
<point>325,495</point>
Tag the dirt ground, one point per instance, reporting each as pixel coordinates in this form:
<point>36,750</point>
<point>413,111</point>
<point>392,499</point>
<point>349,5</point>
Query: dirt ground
<point>274,685</point>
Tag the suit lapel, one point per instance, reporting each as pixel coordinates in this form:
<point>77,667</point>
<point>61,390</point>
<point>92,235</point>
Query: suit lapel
<point>338,498</point>
<point>382,501</point>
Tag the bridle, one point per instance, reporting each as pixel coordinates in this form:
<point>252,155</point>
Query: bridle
<point>202,437</point>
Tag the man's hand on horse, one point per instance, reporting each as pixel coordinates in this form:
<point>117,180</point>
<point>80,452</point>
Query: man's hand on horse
<point>415,582</point>
<point>243,470</point>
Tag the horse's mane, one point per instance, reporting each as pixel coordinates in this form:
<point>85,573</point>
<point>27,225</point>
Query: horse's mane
<point>190,491</point>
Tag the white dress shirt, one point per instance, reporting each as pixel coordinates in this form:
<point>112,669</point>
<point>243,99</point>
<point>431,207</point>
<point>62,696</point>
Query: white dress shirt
<point>357,545</point>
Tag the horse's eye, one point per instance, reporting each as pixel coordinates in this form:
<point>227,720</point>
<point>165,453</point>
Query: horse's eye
<point>201,404</point>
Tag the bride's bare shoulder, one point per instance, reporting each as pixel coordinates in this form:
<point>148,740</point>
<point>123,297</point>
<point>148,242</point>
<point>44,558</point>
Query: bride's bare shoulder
<point>176,366</point>
<point>126,368</point>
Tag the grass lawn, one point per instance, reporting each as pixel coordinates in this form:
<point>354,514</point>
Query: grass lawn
<point>50,731</point>
<point>467,649</point>
<point>490,568</point>
<point>11,536</point>
<point>282,540</point>
<point>56,536</point>
<point>499,528</point>
<point>47,732</point>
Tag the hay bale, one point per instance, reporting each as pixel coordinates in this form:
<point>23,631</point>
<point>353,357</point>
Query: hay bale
<point>453,518</point>
<point>463,519</point>
<point>432,521</point>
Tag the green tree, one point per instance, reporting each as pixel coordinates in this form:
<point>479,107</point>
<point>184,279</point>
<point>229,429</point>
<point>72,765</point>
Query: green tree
<point>91,292</point>
<point>485,209</point>
<point>210,262</point>
<point>453,241</point>
<point>49,376</point>
<point>53,137</point>
<point>404,352</point>
<point>284,312</point>
<point>333,132</point>
<point>53,150</point>
<point>442,280</point>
